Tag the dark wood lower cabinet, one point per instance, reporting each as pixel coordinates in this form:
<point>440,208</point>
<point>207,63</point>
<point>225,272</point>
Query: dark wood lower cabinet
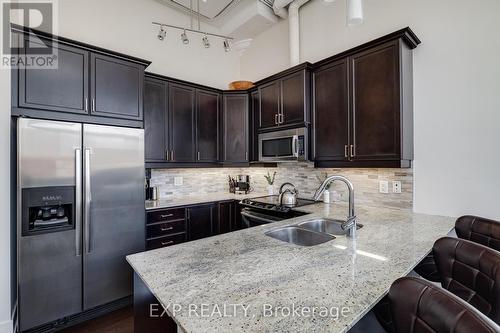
<point>226,214</point>
<point>148,312</point>
<point>167,227</point>
<point>200,221</point>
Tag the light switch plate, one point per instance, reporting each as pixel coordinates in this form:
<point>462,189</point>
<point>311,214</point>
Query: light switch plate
<point>396,187</point>
<point>383,186</point>
<point>178,181</point>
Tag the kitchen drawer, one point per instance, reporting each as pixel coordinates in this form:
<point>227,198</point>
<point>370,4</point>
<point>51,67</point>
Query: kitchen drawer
<point>156,243</point>
<point>164,229</point>
<point>166,215</point>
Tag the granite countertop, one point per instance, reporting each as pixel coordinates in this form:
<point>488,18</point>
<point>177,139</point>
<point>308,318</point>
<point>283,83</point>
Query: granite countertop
<point>186,200</point>
<point>249,270</point>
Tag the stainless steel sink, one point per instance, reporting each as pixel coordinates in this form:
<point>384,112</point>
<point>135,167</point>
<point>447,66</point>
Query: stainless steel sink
<point>327,226</point>
<point>299,236</point>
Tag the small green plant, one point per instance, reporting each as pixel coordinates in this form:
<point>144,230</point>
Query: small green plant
<point>270,180</point>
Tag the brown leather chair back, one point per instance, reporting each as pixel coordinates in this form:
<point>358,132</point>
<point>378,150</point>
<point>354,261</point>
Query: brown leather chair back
<point>472,272</point>
<point>418,306</point>
<point>479,230</point>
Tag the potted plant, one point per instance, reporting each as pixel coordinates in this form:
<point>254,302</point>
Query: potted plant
<point>270,181</point>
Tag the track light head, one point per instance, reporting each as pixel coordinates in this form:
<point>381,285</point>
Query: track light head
<point>205,41</point>
<point>162,33</point>
<point>227,47</point>
<point>184,38</point>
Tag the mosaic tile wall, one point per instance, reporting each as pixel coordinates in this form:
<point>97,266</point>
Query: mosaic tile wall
<point>303,175</point>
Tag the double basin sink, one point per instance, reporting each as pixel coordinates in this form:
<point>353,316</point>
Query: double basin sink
<point>310,232</point>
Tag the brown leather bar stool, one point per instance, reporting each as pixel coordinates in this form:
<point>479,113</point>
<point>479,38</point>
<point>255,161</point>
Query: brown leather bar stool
<point>472,272</point>
<point>473,228</point>
<point>479,230</point>
<point>418,306</point>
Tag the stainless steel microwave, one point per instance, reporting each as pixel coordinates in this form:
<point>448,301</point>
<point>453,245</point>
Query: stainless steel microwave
<point>283,146</point>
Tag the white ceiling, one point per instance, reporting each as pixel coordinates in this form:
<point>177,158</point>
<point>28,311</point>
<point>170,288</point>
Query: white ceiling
<point>240,19</point>
<point>209,8</point>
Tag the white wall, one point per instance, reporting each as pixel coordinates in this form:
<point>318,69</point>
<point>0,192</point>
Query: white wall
<point>125,26</point>
<point>456,94</point>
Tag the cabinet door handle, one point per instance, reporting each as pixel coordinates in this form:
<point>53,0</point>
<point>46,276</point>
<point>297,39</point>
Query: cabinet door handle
<point>246,156</point>
<point>353,153</point>
<point>172,155</point>
<point>166,229</point>
<point>167,243</point>
<point>86,104</point>
<point>93,104</point>
<point>199,156</point>
<point>276,119</point>
<point>164,216</point>
<point>346,151</point>
<point>281,118</point>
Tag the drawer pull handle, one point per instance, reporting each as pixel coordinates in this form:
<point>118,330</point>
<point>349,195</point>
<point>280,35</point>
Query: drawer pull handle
<point>167,229</point>
<point>166,215</point>
<point>167,243</point>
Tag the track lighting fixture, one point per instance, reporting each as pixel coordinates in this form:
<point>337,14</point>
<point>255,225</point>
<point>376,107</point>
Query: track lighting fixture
<point>184,38</point>
<point>162,33</point>
<point>205,41</point>
<point>227,48</point>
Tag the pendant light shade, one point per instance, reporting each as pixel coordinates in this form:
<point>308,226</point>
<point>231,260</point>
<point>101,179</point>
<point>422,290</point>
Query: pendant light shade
<point>354,12</point>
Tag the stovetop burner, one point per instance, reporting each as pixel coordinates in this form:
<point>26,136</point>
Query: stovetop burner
<point>271,202</point>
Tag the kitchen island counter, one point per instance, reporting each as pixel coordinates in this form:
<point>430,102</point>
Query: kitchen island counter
<point>245,281</point>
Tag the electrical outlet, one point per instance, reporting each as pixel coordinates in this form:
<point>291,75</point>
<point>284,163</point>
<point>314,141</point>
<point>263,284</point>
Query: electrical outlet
<point>396,187</point>
<point>178,181</point>
<point>383,186</point>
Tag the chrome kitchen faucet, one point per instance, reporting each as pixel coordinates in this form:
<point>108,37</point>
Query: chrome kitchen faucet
<point>350,223</point>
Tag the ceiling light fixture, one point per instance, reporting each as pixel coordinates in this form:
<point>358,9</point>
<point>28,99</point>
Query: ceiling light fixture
<point>205,34</point>
<point>205,41</point>
<point>162,33</point>
<point>354,12</point>
<point>184,38</point>
<point>227,47</point>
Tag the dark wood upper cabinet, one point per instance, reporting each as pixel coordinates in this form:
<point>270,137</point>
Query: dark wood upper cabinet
<point>182,123</point>
<point>200,221</point>
<point>155,120</point>
<point>116,87</point>
<point>376,103</point>
<point>295,99</point>
<point>207,126</point>
<point>285,99</point>
<point>269,104</point>
<point>235,128</point>
<point>62,89</point>
<point>88,84</point>
<point>363,106</point>
<point>331,112</point>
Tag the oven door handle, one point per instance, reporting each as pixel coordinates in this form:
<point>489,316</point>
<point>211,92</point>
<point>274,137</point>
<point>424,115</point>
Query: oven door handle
<point>258,218</point>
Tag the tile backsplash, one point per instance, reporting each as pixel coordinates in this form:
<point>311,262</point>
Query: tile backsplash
<point>303,175</point>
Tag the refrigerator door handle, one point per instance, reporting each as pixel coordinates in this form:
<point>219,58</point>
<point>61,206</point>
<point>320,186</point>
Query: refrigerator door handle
<point>87,199</point>
<point>78,202</point>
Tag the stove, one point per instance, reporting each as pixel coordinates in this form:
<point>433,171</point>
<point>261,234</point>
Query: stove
<point>267,209</point>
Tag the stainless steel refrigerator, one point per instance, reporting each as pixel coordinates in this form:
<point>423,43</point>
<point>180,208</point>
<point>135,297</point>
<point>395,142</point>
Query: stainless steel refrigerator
<point>80,212</point>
